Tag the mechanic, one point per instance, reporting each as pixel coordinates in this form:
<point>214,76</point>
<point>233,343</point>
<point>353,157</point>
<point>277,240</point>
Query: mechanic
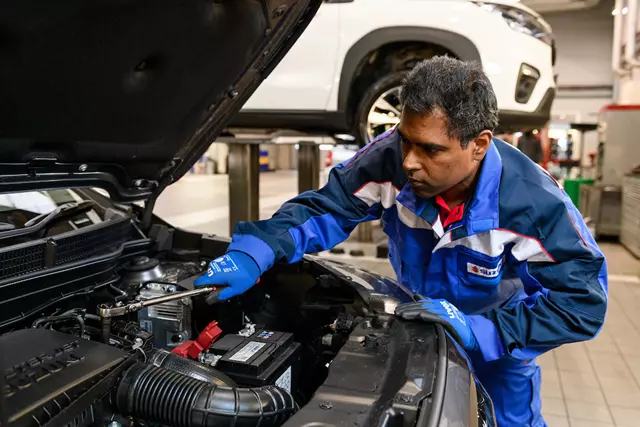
<point>496,246</point>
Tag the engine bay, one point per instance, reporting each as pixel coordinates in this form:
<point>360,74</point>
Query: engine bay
<point>247,346</point>
<point>185,361</point>
<point>102,326</point>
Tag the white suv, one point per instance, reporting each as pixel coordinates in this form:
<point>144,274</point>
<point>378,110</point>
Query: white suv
<point>344,73</point>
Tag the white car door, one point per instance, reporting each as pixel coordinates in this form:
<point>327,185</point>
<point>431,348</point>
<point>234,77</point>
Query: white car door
<point>304,78</point>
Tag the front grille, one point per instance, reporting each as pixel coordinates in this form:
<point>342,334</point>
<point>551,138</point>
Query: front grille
<point>65,249</point>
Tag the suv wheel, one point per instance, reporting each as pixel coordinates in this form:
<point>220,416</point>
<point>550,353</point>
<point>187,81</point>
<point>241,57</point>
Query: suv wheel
<point>379,108</point>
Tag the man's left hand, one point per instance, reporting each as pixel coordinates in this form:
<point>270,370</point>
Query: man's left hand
<point>441,311</point>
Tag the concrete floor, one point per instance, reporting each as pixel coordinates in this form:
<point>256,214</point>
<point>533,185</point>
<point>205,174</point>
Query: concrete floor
<point>593,384</point>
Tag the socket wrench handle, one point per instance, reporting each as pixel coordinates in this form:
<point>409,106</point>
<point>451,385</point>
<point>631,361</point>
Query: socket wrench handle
<point>107,311</point>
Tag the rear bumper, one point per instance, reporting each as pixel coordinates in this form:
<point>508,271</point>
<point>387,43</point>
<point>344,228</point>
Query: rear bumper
<point>518,121</point>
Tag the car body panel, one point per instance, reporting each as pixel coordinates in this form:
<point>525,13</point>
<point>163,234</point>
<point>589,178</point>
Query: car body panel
<point>306,73</point>
<point>501,50</point>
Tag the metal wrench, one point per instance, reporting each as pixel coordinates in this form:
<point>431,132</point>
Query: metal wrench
<point>106,311</point>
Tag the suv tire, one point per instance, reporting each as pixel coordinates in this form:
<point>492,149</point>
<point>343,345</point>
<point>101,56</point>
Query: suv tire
<point>384,90</point>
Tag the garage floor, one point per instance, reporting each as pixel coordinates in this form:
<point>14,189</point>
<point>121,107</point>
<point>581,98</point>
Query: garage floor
<point>594,384</point>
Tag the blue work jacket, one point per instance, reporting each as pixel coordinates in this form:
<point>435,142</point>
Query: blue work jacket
<point>521,263</point>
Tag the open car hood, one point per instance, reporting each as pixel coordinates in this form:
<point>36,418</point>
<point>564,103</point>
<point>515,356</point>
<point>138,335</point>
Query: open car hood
<point>127,95</point>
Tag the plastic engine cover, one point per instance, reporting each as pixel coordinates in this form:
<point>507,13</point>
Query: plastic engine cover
<point>51,377</point>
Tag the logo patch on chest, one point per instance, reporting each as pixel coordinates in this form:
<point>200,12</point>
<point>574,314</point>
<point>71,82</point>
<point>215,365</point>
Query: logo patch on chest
<point>478,270</point>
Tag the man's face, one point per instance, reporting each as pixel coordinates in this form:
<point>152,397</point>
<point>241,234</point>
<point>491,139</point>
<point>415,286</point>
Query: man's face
<point>433,161</point>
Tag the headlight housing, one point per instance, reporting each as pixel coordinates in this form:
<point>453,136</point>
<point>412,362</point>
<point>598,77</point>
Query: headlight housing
<point>519,20</point>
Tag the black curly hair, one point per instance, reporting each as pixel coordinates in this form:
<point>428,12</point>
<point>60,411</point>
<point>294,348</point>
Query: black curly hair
<point>461,90</point>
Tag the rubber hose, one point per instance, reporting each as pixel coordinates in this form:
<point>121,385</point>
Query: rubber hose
<point>61,318</point>
<point>92,317</point>
<point>168,398</point>
<point>190,368</point>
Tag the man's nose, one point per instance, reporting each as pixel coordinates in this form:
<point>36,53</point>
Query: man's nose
<point>410,162</point>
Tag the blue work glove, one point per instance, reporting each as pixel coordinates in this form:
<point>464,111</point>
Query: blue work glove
<point>237,270</point>
<point>443,312</point>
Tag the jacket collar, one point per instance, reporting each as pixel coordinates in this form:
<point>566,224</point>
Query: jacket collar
<point>482,214</point>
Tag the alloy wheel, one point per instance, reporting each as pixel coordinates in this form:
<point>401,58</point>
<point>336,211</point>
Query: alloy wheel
<point>384,113</point>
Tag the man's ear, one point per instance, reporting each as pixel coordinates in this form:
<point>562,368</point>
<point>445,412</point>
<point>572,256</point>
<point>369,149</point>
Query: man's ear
<point>481,145</point>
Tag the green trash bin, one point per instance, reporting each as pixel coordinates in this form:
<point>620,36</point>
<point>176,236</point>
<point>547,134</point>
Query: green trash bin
<point>572,187</point>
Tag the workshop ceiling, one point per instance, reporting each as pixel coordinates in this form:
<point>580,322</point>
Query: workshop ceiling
<point>544,6</point>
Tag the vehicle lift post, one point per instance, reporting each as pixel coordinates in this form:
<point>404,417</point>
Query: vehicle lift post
<point>244,173</point>
<point>244,182</point>
<point>308,166</point>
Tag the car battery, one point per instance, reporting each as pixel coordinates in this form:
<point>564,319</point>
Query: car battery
<point>263,358</point>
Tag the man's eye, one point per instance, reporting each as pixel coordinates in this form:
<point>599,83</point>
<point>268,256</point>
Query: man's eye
<point>429,149</point>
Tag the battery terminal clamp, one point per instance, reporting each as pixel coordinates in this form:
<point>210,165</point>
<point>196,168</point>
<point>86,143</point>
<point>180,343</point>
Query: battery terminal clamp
<point>193,348</point>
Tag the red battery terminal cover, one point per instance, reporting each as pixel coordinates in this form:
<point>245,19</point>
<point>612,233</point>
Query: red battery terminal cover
<point>193,348</point>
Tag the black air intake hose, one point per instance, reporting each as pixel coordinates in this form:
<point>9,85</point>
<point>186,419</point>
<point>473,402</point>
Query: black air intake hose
<point>169,398</point>
<point>190,368</point>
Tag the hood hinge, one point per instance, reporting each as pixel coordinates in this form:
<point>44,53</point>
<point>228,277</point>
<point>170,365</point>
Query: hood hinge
<point>166,178</point>
<point>40,163</point>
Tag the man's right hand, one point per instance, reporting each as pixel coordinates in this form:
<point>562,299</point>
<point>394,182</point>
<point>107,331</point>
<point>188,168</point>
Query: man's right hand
<point>237,270</point>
